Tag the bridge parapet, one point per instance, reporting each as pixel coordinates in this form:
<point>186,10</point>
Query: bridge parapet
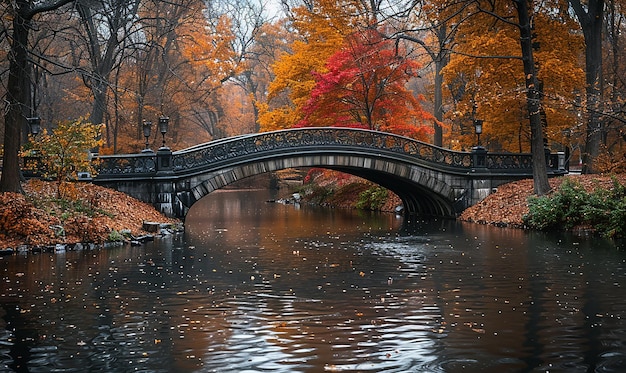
<point>509,161</point>
<point>127,165</point>
<point>297,140</point>
<point>225,151</point>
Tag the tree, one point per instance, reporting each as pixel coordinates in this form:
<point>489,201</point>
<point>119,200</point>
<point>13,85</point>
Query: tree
<point>253,42</point>
<point>516,66</point>
<point>430,25</point>
<point>433,29</point>
<point>211,61</point>
<point>320,28</point>
<point>107,25</point>
<point>365,86</point>
<point>64,151</point>
<point>269,41</point>
<point>612,157</point>
<point>18,86</point>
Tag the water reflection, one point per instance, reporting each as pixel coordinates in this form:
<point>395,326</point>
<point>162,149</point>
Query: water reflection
<point>255,286</point>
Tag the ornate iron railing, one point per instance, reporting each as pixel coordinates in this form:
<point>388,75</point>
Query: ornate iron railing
<point>124,165</point>
<point>303,140</point>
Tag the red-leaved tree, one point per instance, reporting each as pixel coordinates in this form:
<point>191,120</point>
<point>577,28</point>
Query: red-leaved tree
<point>366,87</point>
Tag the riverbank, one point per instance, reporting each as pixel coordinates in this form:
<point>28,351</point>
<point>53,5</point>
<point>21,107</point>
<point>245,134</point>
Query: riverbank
<point>92,214</point>
<point>507,206</point>
<point>86,213</point>
<point>504,208</point>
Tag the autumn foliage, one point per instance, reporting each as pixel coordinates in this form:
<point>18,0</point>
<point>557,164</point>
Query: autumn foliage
<point>19,218</point>
<point>365,86</point>
<point>224,68</point>
<point>320,36</point>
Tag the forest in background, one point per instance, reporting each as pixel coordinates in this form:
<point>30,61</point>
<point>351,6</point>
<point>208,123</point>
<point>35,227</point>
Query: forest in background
<point>425,69</point>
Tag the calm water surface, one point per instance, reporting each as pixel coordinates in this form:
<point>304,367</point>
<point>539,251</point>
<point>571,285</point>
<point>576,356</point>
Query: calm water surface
<point>262,287</point>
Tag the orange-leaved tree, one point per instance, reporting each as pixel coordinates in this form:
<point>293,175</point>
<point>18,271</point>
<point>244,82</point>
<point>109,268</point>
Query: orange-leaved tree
<point>487,81</point>
<point>365,86</point>
<point>211,61</point>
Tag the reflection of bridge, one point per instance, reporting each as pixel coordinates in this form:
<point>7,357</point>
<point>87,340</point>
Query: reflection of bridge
<point>431,181</point>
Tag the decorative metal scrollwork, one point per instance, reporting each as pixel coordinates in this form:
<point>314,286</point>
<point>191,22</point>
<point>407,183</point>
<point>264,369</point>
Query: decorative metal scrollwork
<point>126,165</point>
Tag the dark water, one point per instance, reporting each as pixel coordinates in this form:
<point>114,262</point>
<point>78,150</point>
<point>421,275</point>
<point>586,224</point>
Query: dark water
<point>259,287</point>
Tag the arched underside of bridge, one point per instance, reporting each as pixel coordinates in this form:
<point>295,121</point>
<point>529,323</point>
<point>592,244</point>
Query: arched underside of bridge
<point>423,191</point>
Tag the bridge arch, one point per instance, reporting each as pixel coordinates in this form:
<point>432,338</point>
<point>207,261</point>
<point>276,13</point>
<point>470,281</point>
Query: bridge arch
<point>421,191</point>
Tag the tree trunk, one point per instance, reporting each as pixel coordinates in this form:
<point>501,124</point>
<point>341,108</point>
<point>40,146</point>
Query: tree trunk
<point>101,56</point>
<point>441,60</point>
<point>438,136</point>
<point>591,22</point>
<point>18,98</point>
<point>533,100</point>
<point>18,88</point>
<point>99,89</point>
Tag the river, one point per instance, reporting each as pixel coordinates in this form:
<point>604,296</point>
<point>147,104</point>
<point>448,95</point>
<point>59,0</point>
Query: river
<point>253,286</point>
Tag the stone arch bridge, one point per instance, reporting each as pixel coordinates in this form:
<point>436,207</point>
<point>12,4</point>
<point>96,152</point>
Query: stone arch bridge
<point>431,181</point>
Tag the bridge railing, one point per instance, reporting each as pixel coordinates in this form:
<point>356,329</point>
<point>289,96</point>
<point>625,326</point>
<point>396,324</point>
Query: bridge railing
<point>127,165</point>
<point>224,151</point>
<point>329,138</point>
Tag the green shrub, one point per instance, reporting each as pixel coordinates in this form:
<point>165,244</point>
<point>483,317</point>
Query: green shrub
<point>542,215</point>
<point>606,210</point>
<point>372,198</point>
<point>571,205</point>
<point>559,210</point>
<point>115,236</point>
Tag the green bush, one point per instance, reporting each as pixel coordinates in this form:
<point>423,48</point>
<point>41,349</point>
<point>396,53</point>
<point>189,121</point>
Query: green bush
<point>606,210</point>
<point>316,194</point>
<point>561,209</point>
<point>571,205</point>
<point>115,236</point>
<point>372,198</point>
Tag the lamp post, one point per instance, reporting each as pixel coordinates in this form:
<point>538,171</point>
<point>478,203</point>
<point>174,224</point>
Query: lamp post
<point>478,129</point>
<point>34,124</point>
<point>479,153</point>
<point>163,124</point>
<point>147,130</point>
<point>32,162</point>
<point>164,155</point>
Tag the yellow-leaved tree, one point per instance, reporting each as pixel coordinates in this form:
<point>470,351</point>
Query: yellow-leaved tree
<point>321,29</point>
<point>487,80</point>
<point>65,150</point>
